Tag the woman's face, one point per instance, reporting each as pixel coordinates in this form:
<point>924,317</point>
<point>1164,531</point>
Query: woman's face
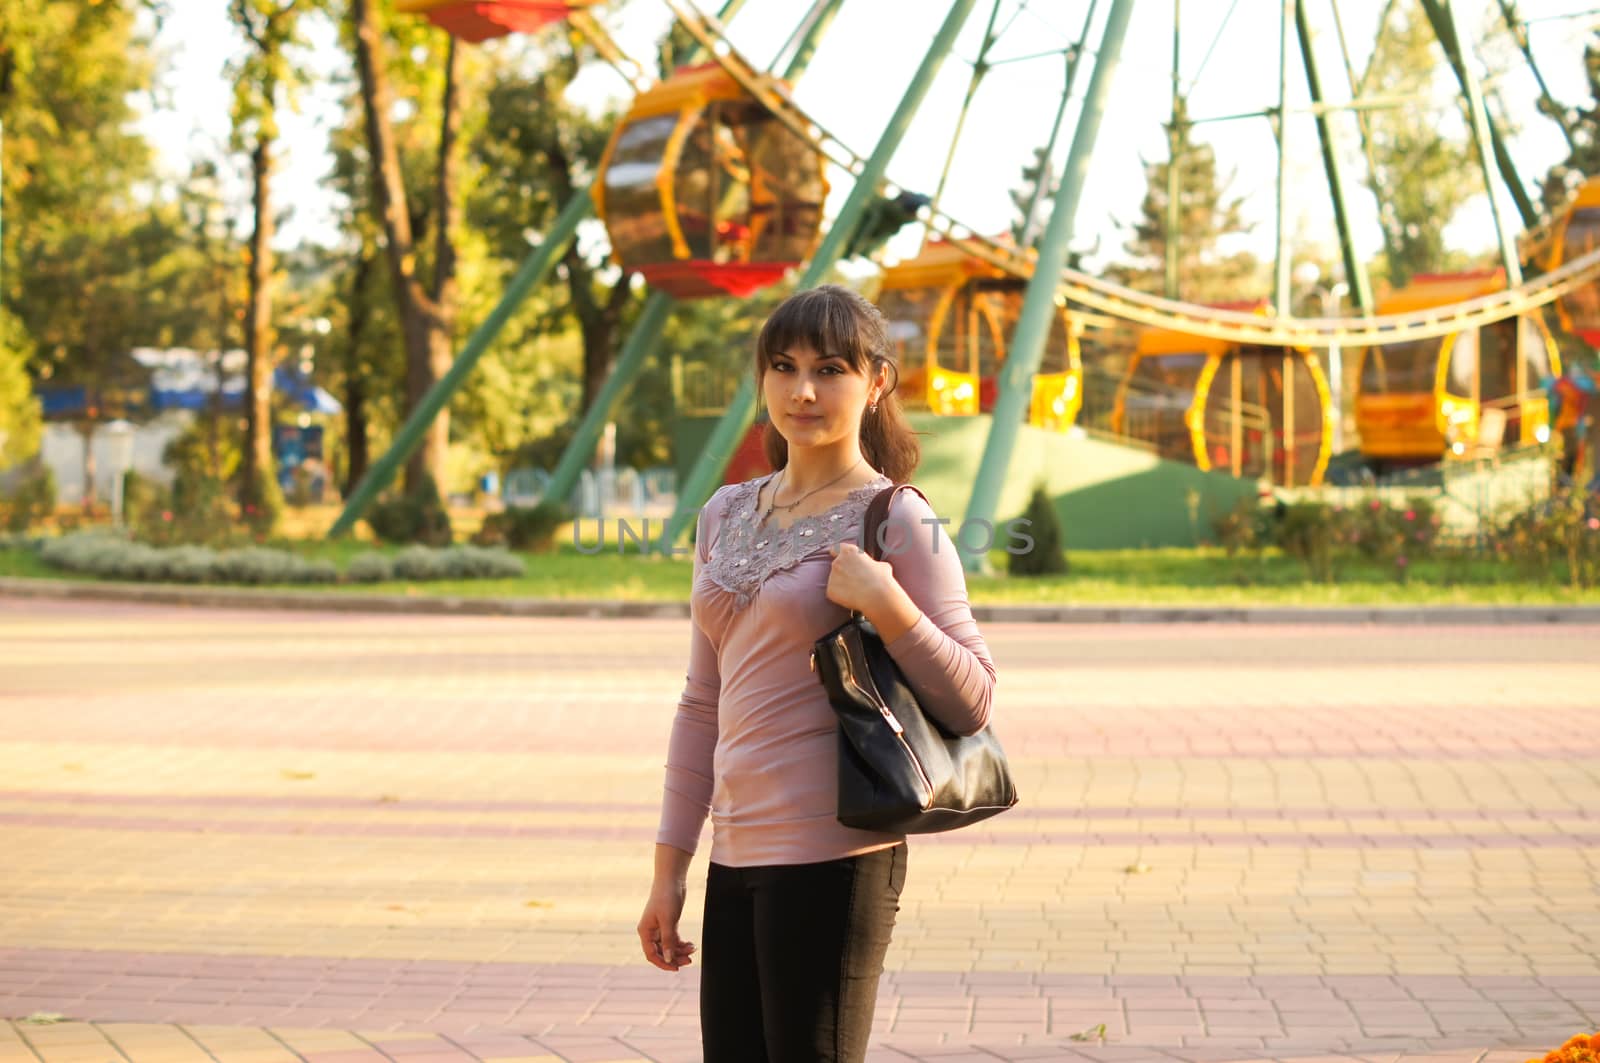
<point>813,399</point>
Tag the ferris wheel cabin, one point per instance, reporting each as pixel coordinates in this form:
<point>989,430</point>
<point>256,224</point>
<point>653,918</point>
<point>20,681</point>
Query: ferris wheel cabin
<point>1245,409</point>
<point>951,317</point>
<point>1422,400</point>
<point>481,20</point>
<point>1576,235</point>
<point>705,192</point>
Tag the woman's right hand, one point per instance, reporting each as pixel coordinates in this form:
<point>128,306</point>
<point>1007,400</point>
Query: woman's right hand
<point>658,927</point>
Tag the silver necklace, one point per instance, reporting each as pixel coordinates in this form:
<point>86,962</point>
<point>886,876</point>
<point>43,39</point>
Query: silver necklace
<point>772,503</point>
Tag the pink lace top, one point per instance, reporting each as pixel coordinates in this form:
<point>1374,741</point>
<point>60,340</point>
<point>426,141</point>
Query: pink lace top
<point>754,739</point>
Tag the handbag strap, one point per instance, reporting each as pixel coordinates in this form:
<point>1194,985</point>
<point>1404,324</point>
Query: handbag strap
<point>878,514</point>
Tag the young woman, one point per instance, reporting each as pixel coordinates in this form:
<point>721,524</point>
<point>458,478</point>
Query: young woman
<point>798,907</point>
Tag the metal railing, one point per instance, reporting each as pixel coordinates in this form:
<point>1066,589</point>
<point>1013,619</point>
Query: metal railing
<point>621,491</point>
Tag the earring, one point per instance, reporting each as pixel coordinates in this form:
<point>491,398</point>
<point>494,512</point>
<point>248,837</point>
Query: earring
<point>872,407</point>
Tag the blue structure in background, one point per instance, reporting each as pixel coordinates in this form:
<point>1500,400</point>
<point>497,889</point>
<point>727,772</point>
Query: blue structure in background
<point>179,379</point>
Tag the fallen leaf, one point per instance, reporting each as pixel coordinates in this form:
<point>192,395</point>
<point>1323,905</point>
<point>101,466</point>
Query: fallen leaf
<point>45,1018</point>
<point>288,774</point>
<point>1093,1033</point>
<point>1138,869</point>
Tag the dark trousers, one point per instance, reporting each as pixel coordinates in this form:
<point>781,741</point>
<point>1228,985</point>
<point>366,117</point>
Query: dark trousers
<point>790,957</point>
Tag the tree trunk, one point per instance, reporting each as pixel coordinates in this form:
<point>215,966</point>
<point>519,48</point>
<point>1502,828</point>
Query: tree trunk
<point>440,310</point>
<point>258,332</point>
<point>424,323</point>
<point>597,358</point>
<point>87,429</point>
<point>355,382</point>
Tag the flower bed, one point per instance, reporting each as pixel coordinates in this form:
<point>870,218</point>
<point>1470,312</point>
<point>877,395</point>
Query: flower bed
<point>1584,1048</point>
<point>111,556</point>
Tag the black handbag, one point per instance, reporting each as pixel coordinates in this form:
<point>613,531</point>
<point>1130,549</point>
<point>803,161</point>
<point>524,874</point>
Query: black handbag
<point>900,771</point>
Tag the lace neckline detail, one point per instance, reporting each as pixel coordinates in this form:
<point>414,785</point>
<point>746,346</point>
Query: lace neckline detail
<point>745,553</point>
<point>752,497</point>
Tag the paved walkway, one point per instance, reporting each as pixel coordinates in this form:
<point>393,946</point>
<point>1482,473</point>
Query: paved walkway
<point>234,836</point>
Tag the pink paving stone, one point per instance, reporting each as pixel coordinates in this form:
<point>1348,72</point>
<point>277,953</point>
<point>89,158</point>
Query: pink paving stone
<point>586,1051</point>
<point>390,1021</point>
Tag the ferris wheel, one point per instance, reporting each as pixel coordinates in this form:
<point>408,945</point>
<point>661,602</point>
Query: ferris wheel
<point>716,181</point>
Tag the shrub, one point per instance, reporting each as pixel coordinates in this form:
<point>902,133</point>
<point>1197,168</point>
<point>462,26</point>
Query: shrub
<point>476,562</point>
<point>1247,528</point>
<point>258,564</point>
<point>1397,534</point>
<point>370,567</point>
<point>32,500</point>
<point>420,564</point>
<point>1562,533</point>
<point>195,511</point>
<point>417,516</point>
<point>523,527</point>
<point>190,564</point>
<point>261,504</point>
<point>87,551</point>
<point>1315,534</point>
<point>111,555</point>
<point>142,497</point>
<point>1048,556</point>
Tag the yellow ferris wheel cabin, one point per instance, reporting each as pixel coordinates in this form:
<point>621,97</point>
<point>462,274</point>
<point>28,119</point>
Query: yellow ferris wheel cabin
<point>1577,234</point>
<point>951,317</point>
<point>705,192</point>
<point>1245,409</point>
<point>1419,401</point>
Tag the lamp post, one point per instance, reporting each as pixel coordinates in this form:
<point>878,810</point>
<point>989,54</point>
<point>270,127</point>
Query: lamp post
<point>119,450</point>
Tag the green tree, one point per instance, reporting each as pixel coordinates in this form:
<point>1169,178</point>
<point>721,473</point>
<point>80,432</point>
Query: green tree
<point>261,77</point>
<point>1207,215</point>
<point>19,410</point>
<point>1584,122</point>
<point>537,151</point>
<point>1419,173</point>
<point>68,71</point>
<point>1033,198</point>
<point>426,305</point>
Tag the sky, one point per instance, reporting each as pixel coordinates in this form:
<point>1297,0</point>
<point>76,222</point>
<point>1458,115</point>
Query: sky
<point>1228,54</point>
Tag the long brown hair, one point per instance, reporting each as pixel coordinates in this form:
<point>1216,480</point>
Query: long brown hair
<point>831,319</point>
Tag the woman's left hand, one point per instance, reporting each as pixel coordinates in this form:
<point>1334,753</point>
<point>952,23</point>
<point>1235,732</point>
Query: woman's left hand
<point>857,580</point>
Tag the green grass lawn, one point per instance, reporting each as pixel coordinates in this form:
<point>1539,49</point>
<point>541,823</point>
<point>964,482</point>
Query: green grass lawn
<point>1114,577</point>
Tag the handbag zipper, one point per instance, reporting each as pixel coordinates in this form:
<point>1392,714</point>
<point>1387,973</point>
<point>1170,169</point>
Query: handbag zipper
<point>888,716</point>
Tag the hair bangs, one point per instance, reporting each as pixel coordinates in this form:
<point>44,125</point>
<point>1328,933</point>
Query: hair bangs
<point>819,320</point>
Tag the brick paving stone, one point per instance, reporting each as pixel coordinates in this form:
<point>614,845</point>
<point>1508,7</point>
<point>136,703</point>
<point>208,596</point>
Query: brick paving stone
<point>354,843</point>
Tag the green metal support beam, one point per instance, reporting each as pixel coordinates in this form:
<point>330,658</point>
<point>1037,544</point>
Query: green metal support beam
<point>1169,246</point>
<point>1354,271</point>
<point>713,459</point>
<point>980,69</point>
<point>1074,61</point>
<point>822,19</point>
<point>1444,27</point>
<point>640,346</point>
<point>1039,304</point>
<point>531,274</point>
<point>1281,294</point>
<point>1482,134</point>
